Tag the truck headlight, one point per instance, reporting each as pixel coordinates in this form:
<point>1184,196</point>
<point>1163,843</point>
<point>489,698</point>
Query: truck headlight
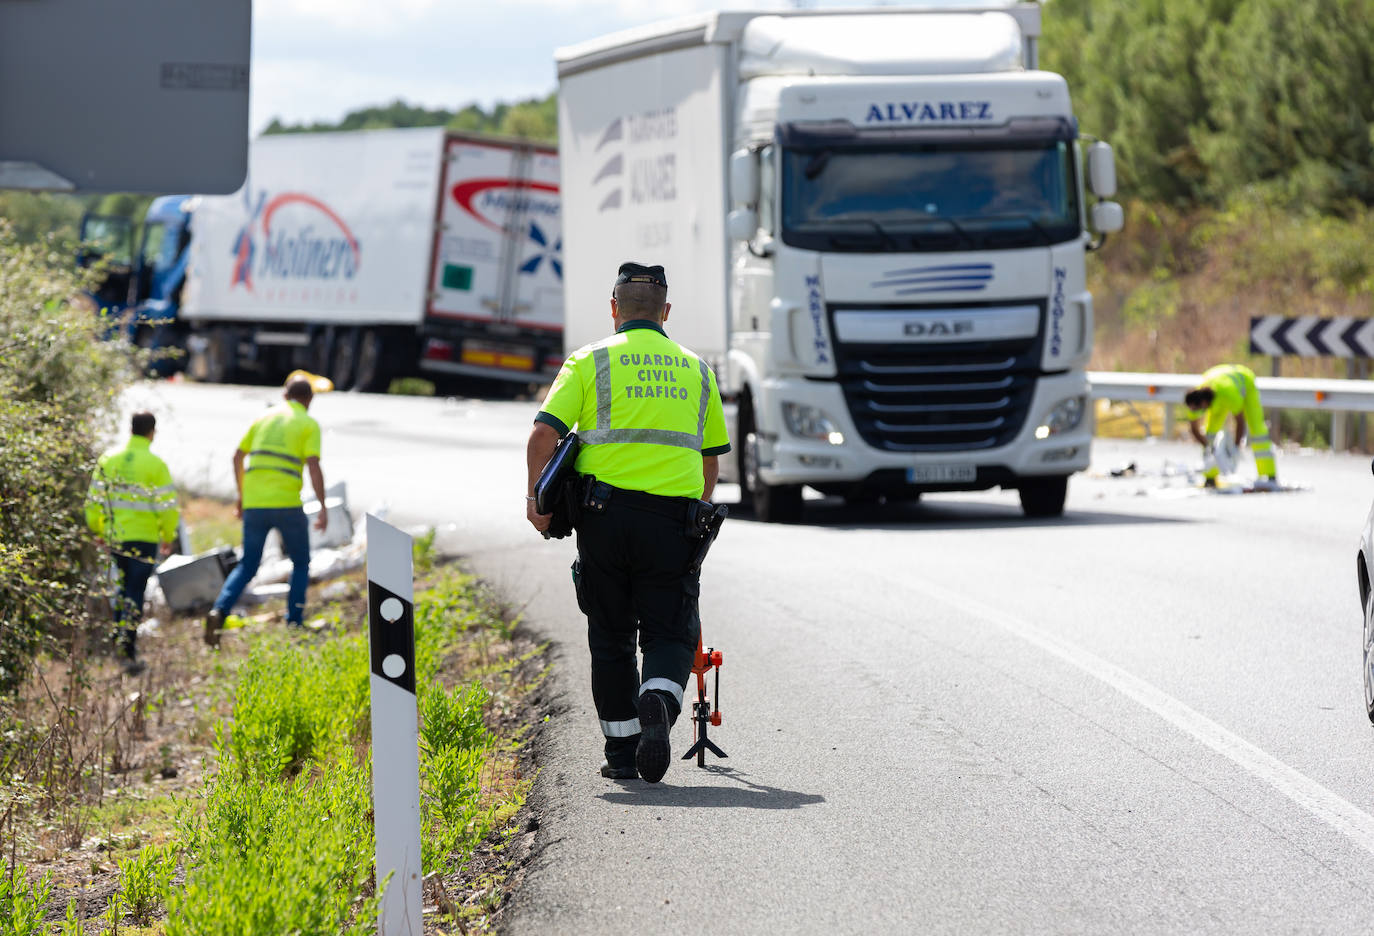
<point>810,422</point>
<point>1066,416</point>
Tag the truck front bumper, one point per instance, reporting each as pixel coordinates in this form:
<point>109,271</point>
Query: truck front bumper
<point>786,458</point>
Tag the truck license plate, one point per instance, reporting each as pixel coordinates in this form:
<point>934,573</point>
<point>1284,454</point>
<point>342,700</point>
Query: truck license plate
<point>941,474</point>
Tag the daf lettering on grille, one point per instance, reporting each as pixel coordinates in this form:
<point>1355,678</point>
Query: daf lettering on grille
<point>937,329</point>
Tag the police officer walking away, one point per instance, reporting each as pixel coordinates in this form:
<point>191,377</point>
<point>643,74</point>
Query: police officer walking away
<point>131,504</point>
<point>649,415</point>
<point>278,448</point>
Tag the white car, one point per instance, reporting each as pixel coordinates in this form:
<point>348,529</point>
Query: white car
<point>1363,562</point>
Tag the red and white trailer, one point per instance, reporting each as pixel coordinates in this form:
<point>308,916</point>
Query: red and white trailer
<point>372,255</point>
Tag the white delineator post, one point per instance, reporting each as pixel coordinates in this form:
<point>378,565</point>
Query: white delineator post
<point>395,727</point>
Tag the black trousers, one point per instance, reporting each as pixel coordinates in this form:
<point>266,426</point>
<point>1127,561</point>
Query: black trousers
<point>631,577</point>
<point>135,560</point>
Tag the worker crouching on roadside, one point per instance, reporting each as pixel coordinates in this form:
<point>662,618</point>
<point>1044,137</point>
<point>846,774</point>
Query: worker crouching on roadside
<point>131,505</point>
<point>268,468</point>
<point>652,427</point>
<point>1229,390</point>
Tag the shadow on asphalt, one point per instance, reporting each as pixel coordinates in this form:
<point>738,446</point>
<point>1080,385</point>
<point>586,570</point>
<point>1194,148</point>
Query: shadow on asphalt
<point>834,513</point>
<point>747,795</point>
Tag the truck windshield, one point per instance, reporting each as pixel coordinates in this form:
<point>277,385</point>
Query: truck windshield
<point>160,245</point>
<point>929,199</point>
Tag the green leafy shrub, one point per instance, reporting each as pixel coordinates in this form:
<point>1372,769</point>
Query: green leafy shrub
<point>144,881</point>
<point>280,857</point>
<point>58,384</point>
<point>22,905</point>
<point>453,743</point>
<point>300,702</point>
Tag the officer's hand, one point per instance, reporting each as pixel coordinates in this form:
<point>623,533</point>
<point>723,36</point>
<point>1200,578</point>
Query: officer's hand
<point>322,521</point>
<point>537,520</point>
<point>166,549</point>
<point>238,508</point>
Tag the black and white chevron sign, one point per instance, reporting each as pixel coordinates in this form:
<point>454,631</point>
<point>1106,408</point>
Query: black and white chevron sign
<point>1312,336</point>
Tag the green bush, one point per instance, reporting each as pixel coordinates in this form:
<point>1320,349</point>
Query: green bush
<point>299,703</point>
<point>280,857</point>
<point>144,881</point>
<point>454,741</point>
<point>22,905</point>
<point>58,386</point>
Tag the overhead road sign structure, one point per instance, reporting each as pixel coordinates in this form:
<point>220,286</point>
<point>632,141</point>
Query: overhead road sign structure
<point>395,727</point>
<point>127,96</point>
<point>1312,336</point>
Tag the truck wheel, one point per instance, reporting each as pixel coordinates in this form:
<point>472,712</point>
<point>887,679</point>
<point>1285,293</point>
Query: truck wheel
<point>342,371</point>
<point>771,503</point>
<point>371,362</point>
<point>222,356</point>
<point>1044,497</point>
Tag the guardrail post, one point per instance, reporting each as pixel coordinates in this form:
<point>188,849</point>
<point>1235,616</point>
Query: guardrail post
<point>1169,420</point>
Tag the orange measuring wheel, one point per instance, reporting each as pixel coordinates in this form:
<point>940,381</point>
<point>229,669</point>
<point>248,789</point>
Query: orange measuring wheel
<point>705,712</point>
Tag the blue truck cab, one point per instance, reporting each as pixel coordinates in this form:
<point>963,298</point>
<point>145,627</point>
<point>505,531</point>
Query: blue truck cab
<point>148,282</point>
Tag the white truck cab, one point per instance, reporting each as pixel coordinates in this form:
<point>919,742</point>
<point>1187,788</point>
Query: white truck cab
<point>880,223</point>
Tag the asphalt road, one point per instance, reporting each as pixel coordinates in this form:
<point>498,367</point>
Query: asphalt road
<point>1145,717</point>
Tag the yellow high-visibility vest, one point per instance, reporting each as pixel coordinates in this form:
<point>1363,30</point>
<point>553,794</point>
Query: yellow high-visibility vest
<point>277,446</point>
<point>131,497</point>
<point>646,410</point>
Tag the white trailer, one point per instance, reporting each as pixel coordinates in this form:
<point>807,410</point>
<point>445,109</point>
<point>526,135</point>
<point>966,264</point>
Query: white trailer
<point>874,227</point>
<point>380,254</point>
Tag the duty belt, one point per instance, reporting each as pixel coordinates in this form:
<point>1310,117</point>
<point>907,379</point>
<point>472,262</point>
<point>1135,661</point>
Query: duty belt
<point>674,508</point>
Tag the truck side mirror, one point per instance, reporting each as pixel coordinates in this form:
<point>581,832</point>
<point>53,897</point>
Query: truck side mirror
<point>1102,170</point>
<point>742,224</point>
<point>744,178</point>
<point>1108,218</point>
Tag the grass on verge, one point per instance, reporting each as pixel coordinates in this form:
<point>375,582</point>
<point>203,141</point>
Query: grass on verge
<point>279,838</point>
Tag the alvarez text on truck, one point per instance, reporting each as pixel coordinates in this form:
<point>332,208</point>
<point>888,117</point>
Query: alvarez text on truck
<point>876,228</point>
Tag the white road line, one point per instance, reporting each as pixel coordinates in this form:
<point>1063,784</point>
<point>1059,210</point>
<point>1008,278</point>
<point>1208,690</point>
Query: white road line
<point>1325,805</point>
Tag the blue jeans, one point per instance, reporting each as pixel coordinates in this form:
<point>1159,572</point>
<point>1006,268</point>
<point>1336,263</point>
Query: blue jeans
<point>295,539</point>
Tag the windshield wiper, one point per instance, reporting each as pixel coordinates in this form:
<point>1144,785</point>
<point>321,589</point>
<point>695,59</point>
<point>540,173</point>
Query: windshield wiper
<point>956,230</point>
<point>844,234</point>
<point>1033,227</point>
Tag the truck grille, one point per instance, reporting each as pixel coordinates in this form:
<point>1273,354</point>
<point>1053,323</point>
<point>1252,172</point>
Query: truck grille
<point>965,396</point>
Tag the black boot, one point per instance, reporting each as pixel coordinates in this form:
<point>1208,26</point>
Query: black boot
<point>653,754</point>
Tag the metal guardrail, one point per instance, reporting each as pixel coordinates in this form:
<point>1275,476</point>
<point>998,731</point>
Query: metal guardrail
<point>1331,395</point>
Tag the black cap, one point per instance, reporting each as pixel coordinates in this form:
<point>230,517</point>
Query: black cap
<point>639,273</point>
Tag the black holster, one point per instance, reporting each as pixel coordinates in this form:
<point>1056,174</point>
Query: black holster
<point>704,520</point>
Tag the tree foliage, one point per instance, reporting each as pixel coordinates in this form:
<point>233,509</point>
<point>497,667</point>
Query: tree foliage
<point>534,119</point>
<point>1205,99</point>
<point>58,384</point>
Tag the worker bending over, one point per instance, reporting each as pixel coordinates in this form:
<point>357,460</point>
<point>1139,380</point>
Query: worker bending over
<point>132,506</point>
<point>277,450</point>
<point>1229,390</point>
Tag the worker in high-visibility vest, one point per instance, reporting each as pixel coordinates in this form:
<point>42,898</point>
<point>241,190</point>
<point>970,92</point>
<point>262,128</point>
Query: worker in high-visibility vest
<point>1229,390</point>
<point>132,506</point>
<point>649,416</point>
<point>269,465</point>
